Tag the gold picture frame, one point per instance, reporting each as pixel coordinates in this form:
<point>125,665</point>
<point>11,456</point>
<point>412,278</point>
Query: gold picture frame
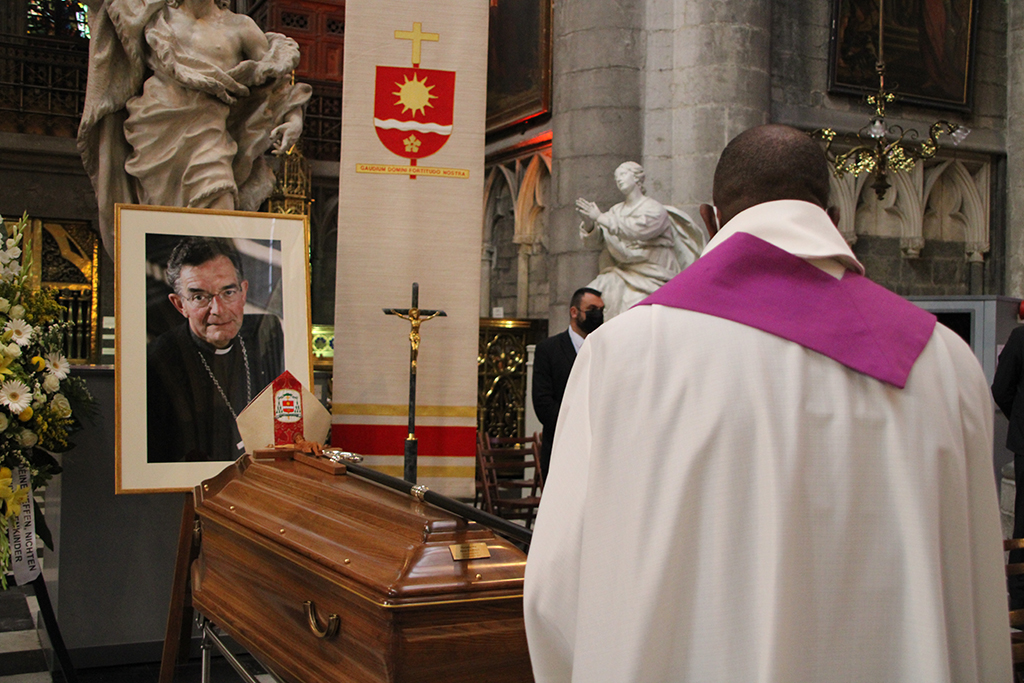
<point>273,249</point>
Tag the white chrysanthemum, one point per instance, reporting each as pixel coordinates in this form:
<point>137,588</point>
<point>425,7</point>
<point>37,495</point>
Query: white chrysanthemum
<point>5,305</point>
<point>12,350</point>
<point>16,395</point>
<point>61,405</point>
<point>20,330</point>
<point>17,310</point>
<point>28,438</point>
<point>58,365</point>
<point>4,422</point>
<point>51,383</point>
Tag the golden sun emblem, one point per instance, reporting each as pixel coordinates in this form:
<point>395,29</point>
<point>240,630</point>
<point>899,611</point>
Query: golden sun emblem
<point>414,95</point>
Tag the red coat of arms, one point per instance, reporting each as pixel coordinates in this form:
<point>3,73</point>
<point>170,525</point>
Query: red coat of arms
<point>412,109</point>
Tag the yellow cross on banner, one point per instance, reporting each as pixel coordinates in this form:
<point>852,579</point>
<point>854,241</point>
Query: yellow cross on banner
<point>417,36</point>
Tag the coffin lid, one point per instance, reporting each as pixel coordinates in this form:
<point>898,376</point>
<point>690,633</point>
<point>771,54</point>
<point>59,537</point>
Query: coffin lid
<point>380,544</point>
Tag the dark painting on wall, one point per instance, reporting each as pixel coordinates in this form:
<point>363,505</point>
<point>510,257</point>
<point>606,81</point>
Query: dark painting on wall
<point>928,48</point>
<point>518,62</point>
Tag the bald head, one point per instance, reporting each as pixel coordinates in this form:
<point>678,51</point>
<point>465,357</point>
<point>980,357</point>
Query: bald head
<point>768,163</point>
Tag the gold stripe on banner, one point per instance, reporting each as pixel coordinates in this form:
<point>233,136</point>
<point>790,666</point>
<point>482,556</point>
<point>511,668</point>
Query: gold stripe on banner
<point>455,475</point>
<point>403,410</point>
<point>424,471</point>
<point>409,211</point>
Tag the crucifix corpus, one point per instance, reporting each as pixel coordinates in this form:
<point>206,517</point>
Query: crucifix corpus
<point>416,317</point>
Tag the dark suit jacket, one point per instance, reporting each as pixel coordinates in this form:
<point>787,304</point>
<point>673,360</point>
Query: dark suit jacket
<point>552,363</point>
<point>1008,388</point>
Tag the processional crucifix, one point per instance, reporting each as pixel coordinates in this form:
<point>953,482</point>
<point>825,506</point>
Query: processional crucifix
<point>416,317</point>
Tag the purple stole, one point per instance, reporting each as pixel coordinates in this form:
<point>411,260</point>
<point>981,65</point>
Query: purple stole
<point>853,321</point>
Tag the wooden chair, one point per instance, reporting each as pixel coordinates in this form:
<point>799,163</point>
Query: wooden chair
<point>1016,615</point>
<point>511,477</point>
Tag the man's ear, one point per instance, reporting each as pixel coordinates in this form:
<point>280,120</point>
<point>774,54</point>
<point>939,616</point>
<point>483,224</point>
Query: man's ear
<point>179,304</point>
<point>833,214</point>
<point>711,216</point>
<point>244,286</point>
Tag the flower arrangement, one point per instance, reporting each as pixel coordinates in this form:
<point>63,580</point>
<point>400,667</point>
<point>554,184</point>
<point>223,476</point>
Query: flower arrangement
<point>40,403</point>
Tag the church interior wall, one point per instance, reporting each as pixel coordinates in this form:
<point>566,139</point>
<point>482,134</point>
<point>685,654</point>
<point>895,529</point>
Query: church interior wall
<point>597,79</point>
<point>934,259</point>
<point>504,273</point>
<point>800,97</point>
<point>669,82</point>
<point>706,79</point>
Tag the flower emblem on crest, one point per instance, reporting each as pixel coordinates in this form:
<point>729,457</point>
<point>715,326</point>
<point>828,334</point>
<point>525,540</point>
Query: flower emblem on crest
<point>412,144</point>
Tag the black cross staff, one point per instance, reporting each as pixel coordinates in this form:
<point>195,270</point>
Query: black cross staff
<point>416,317</point>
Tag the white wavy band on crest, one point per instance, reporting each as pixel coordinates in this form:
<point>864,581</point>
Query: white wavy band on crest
<point>395,124</point>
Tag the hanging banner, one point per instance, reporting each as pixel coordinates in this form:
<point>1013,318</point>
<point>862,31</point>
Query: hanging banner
<point>21,532</point>
<point>410,210</point>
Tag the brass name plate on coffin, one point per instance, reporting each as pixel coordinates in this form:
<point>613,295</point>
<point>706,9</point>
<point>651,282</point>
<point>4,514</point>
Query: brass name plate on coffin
<point>469,551</point>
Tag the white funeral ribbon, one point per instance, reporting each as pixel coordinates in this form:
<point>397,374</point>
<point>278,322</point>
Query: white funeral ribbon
<point>21,532</point>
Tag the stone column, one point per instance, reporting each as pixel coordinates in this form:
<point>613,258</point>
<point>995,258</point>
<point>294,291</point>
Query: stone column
<point>596,125</point>
<point>707,78</point>
<point>1014,285</point>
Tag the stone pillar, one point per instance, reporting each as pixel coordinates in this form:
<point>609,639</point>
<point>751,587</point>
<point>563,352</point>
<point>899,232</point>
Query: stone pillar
<point>707,78</point>
<point>596,124</point>
<point>1014,285</point>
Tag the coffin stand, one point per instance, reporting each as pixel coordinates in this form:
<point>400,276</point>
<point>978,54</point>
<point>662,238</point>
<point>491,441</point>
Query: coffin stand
<point>325,577</point>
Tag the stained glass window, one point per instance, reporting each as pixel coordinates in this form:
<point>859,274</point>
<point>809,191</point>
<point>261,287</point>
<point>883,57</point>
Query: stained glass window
<point>58,18</point>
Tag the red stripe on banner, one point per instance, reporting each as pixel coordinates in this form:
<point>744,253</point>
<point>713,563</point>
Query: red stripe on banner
<point>390,439</point>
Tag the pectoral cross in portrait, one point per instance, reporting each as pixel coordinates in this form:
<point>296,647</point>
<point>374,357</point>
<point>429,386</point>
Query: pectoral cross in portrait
<point>416,317</point>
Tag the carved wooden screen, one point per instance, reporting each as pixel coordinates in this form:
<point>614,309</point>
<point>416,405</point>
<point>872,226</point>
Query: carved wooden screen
<point>65,256</point>
<point>501,365</point>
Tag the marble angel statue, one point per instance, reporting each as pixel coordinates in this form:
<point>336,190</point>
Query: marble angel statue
<point>183,99</point>
<point>646,243</point>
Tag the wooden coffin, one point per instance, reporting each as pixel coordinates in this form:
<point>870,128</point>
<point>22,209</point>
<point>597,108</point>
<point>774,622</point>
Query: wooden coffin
<point>279,534</point>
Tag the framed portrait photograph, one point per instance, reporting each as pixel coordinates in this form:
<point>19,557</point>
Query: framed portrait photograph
<point>518,62</point>
<point>211,306</point>
<point>927,45</point>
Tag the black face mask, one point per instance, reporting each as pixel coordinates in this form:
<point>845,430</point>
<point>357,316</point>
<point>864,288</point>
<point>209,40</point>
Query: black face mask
<point>590,320</point>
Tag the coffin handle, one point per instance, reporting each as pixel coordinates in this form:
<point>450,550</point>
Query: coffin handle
<point>333,622</point>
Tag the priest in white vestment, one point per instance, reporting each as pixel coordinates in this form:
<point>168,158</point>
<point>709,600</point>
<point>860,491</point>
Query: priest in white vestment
<point>772,470</point>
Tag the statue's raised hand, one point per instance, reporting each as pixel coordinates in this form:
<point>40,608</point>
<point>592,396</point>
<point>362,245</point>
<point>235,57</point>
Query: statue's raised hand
<point>587,209</point>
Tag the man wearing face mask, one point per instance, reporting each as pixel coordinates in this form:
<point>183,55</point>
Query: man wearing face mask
<point>553,362</point>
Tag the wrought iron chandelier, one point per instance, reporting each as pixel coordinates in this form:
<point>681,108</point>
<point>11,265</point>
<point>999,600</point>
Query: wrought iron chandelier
<point>878,148</point>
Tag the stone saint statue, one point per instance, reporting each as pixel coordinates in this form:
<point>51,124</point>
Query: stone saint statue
<point>646,243</point>
<point>183,99</point>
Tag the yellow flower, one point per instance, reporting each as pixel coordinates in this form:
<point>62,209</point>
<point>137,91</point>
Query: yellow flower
<point>12,499</point>
<point>26,414</point>
<point>5,361</point>
<point>39,362</point>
